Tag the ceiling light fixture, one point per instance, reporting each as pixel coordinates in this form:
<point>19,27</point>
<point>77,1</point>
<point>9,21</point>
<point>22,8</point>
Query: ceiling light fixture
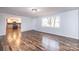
<point>35,10</point>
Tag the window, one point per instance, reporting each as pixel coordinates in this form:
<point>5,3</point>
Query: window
<point>51,22</point>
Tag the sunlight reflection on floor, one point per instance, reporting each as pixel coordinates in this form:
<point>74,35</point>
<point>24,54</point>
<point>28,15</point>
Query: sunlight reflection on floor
<point>50,44</point>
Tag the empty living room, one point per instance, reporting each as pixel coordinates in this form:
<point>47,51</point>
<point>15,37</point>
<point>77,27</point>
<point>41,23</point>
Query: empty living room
<point>39,29</point>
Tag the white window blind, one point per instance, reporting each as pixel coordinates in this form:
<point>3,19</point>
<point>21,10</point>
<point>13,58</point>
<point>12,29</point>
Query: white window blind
<point>51,22</point>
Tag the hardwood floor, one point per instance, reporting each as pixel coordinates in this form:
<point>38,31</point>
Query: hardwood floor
<point>39,41</point>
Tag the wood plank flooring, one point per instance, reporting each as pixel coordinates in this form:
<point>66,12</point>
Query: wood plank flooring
<point>39,41</point>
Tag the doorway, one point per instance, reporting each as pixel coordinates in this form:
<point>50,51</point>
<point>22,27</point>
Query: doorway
<point>13,32</point>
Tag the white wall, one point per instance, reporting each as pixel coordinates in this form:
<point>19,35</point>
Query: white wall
<point>2,25</point>
<point>78,23</point>
<point>68,25</point>
<point>27,23</point>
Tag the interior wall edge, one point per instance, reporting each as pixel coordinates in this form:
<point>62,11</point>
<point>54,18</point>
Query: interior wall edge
<point>58,34</point>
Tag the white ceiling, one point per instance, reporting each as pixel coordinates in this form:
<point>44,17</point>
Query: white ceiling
<point>27,11</point>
